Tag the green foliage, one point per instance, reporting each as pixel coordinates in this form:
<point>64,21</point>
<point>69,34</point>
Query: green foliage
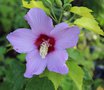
<point>76,74</point>
<point>21,57</point>
<point>82,58</point>
<point>10,15</point>
<point>54,77</point>
<point>35,4</point>
<point>37,83</point>
<point>99,83</point>
<point>98,7</point>
<point>5,86</point>
<point>87,80</point>
<point>89,24</point>
<point>75,55</point>
<point>14,75</point>
<point>68,84</point>
<point>68,1</point>
<point>82,11</point>
<point>14,79</point>
<point>2,52</point>
<point>59,3</point>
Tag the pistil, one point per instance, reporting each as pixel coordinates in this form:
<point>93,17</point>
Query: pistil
<point>44,49</point>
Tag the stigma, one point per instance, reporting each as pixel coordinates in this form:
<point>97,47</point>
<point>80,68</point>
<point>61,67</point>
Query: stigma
<point>44,49</point>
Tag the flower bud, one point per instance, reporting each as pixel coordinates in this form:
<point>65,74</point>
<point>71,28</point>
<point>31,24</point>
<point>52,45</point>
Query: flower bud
<point>59,3</point>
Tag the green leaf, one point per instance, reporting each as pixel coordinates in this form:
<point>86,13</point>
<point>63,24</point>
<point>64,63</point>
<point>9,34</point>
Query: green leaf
<point>14,75</point>
<point>5,86</point>
<point>2,70</point>
<point>75,54</point>
<point>2,50</point>
<point>35,4</point>
<point>37,83</point>
<point>82,11</point>
<point>54,77</point>
<point>87,79</point>
<point>98,7</point>
<point>21,57</point>
<point>47,3</point>
<point>89,24</point>
<point>76,74</point>
<point>68,84</point>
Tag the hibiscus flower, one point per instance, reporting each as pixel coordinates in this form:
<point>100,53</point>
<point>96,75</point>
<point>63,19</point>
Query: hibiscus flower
<point>45,45</point>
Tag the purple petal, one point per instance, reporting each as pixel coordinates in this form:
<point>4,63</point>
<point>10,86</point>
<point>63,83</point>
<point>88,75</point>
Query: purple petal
<point>60,27</point>
<point>22,40</point>
<point>35,64</point>
<point>56,61</point>
<point>39,21</point>
<point>66,37</point>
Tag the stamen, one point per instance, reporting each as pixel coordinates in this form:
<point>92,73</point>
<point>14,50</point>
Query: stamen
<point>44,49</point>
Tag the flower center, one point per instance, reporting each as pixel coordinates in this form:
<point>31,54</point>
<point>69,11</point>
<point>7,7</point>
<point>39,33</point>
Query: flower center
<point>45,44</point>
<point>43,49</point>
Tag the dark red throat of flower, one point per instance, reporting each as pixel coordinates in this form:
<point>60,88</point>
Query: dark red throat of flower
<point>44,38</point>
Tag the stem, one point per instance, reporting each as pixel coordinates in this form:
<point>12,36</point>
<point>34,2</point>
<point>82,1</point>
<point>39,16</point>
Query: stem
<point>54,15</point>
<point>61,16</point>
<point>72,18</point>
<point>53,18</point>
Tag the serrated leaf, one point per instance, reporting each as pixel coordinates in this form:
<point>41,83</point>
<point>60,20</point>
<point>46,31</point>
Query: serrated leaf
<point>82,11</point>
<point>76,74</point>
<point>35,4</point>
<point>89,24</point>
<point>54,77</point>
<point>37,83</point>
